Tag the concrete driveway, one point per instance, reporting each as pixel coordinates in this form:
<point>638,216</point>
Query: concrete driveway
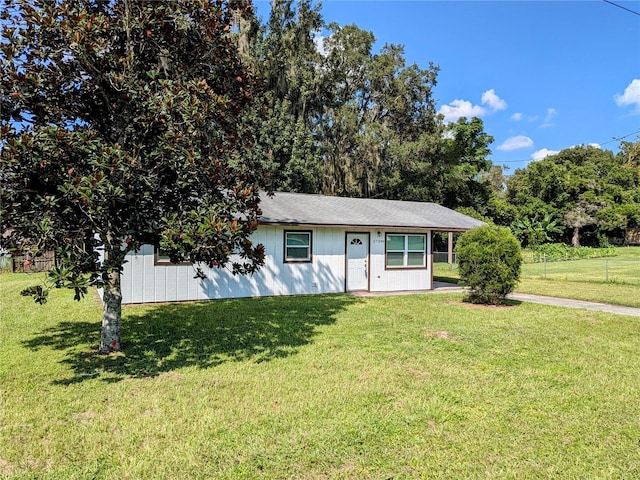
<point>443,287</point>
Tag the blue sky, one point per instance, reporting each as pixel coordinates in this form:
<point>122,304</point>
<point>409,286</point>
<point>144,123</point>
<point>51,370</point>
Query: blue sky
<point>543,75</point>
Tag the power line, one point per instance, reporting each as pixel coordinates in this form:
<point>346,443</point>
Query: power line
<point>614,139</point>
<point>617,139</point>
<point>623,8</point>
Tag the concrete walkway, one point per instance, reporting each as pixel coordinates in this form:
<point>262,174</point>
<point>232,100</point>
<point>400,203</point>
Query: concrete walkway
<point>442,287</point>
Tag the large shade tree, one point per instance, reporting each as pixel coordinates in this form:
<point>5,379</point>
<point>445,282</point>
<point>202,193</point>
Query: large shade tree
<point>594,193</point>
<point>127,122</point>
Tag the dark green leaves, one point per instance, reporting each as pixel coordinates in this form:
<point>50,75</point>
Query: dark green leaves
<point>489,261</point>
<point>39,293</point>
<point>590,193</point>
<point>140,126</point>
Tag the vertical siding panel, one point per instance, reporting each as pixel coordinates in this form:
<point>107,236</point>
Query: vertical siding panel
<point>221,286</point>
<point>137,264</point>
<point>203,283</point>
<point>149,285</point>
<point>265,277</point>
<point>324,273</point>
<point>172,283</point>
<point>339,260</point>
<point>376,263</point>
<point>321,278</point>
<point>160,294</point>
<point>274,276</point>
<point>277,274</point>
<point>296,277</point>
<point>232,283</point>
<point>206,284</point>
<point>209,285</point>
<point>333,267</point>
<point>314,278</point>
<point>125,281</point>
<point>182,287</point>
<point>192,284</point>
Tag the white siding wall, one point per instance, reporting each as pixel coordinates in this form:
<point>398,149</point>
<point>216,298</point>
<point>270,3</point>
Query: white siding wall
<point>145,282</point>
<point>394,280</point>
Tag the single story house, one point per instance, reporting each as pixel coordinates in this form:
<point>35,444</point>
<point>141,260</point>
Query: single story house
<point>313,244</point>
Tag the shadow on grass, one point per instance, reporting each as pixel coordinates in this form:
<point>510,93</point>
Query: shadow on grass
<point>163,338</point>
<point>442,278</point>
<point>507,302</point>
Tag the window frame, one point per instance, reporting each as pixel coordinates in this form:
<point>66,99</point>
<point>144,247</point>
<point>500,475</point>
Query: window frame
<point>164,261</point>
<point>286,258</point>
<point>405,251</point>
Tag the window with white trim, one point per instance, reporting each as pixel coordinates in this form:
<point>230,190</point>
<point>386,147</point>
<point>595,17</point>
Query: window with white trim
<point>406,250</point>
<point>297,246</point>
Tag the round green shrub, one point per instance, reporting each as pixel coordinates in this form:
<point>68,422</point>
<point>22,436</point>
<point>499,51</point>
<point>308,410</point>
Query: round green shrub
<point>489,260</point>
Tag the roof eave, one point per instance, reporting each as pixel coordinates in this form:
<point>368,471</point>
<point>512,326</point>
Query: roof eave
<point>368,226</point>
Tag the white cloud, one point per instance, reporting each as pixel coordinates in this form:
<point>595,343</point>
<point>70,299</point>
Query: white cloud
<point>516,143</point>
<point>517,116</point>
<point>545,152</point>
<point>461,108</point>
<point>464,108</point>
<point>494,101</point>
<point>548,119</point>
<point>542,153</point>
<point>631,95</point>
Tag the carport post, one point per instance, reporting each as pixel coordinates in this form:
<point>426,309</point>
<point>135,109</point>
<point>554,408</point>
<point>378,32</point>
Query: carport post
<point>450,249</point>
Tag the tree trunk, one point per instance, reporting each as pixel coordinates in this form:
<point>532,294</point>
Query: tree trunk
<point>112,315</point>
<point>575,239</point>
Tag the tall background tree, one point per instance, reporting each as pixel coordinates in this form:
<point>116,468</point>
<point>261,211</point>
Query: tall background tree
<point>127,122</point>
<point>592,193</point>
<point>347,120</point>
<point>285,55</point>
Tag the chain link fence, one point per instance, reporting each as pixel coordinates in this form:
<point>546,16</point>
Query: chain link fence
<point>603,269</point>
<point>607,269</point>
<point>443,257</point>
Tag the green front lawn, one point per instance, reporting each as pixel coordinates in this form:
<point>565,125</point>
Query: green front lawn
<point>421,386</point>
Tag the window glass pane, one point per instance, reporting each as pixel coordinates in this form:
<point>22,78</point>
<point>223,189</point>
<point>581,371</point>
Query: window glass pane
<point>161,256</point>
<point>297,253</point>
<point>416,242</point>
<point>395,242</point>
<point>297,239</point>
<point>395,259</point>
<point>415,259</point>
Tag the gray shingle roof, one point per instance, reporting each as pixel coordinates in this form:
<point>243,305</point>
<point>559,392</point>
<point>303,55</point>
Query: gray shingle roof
<point>303,209</point>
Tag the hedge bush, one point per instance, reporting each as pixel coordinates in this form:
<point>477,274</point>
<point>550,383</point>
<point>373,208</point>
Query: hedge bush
<point>489,261</point>
<point>561,251</point>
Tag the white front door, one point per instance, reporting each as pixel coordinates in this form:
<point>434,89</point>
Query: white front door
<point>357,261</point>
